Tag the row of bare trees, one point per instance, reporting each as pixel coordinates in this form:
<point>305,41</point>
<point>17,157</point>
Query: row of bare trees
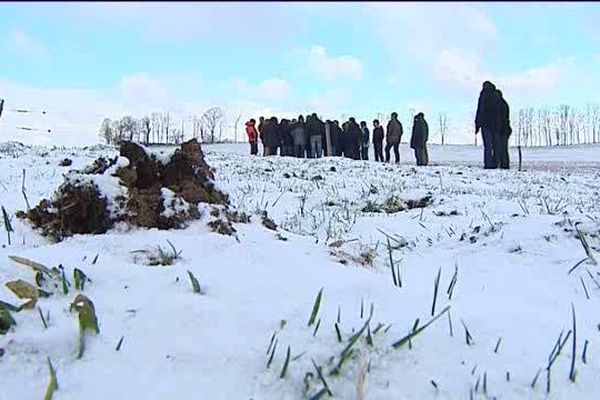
<point>558,126</point>
<point>163,128</point>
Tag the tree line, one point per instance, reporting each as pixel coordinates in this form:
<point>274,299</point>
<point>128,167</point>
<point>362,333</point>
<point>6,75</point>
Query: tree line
<point>556,126</point>
<point>163,128</point>
<point>545,126</point>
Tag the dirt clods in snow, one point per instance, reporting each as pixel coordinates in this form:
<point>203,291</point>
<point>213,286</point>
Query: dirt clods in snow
<point>157,195</point>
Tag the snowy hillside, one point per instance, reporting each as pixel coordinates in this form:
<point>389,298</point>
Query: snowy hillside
<point>380,241</point>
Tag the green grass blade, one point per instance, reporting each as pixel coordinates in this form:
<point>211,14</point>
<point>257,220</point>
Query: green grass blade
<point>195,283</point>
<point>416,332</point>
<point>315,309</point>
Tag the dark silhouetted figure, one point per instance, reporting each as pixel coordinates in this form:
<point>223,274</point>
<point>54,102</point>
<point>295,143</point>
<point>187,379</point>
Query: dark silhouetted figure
<point>364,144</point>
<point>504,131</point>
<point>299,137</point>
<point>261,124</point>
<point>418,140</point>
<point>287,142</point>
<point>337,137</point>
<point>316,130</point>
<point>353,136</point>
<point>271,136</point>
<point>378,140</point>
<point>486,119</point>
<point>394,135</point>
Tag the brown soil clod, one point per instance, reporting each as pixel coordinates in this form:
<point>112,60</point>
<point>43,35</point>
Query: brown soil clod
<point>79,206</point>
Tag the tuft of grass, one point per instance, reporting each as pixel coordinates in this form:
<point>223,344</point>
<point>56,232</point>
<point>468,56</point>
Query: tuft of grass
<point>160,257</point>
<point>80,279</point>
<point>53,384</point>
<point>315,309</point>
<point>195,283</point>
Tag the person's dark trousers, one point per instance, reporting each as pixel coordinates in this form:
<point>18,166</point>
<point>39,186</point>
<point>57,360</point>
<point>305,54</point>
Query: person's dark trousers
<point>365,153</point>
<point>501,152</point>
<point>378,149</point>
<point>422,156</point>
<point>308,150</point>
<point>489,145</point>
<point>388,146</point>
<point>253,148</point>
<point>315,146</point>
<point>299,150</point>
<point>287,151</point>
<point>270,151</point>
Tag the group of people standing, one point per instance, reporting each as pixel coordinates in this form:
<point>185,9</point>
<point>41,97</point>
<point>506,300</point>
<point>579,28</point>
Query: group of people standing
<point>310,137</point>
<point>313,138</point>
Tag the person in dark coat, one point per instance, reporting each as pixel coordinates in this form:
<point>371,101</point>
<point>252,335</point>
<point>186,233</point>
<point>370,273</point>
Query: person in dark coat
<point>486,119</point>
<point>333,137</point>
<point>271,136</point>
<point>504,131</point>
<point>353,137</point>
<point>315,130</point>
<point>394,136</point>
<point>339,138</point>
<point>299,137</point>
<point>364,144</point>
<point>378,140</point>
<point>418,140</point>
<point>261,124</point>
<point>287,143</point>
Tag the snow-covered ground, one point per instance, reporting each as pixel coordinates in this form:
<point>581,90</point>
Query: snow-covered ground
<point>510,237</point>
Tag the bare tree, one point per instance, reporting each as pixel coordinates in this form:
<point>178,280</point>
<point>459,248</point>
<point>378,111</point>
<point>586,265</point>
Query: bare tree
<point>106,132</point>
<point>213,119</point>
<point>443,126</point>
<point>235,126</point>
<point>144,128</point>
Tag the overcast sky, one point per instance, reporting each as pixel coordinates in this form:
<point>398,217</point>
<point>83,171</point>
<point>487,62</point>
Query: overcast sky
<point>82,61</point>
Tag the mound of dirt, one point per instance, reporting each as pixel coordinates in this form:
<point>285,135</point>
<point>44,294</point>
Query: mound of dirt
<point>143,192</point>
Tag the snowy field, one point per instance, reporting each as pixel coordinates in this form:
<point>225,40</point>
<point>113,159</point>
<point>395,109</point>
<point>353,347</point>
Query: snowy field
<point>499,245</point>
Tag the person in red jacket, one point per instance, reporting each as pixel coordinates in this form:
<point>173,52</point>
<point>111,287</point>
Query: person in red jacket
<point>252,136</point>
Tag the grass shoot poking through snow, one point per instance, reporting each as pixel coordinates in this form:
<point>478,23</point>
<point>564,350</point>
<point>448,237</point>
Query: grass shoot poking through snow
<point>195,283</point>
<point>315,309</point>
